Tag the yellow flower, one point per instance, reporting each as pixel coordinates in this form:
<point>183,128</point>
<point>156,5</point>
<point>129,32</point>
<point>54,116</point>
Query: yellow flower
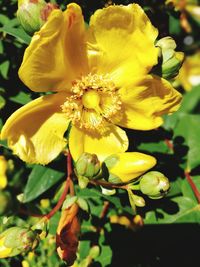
<point>25,263</point>
<point>4,251</point>
<point>101,79</point>
<point>3,169</point>
<point>189,75</point>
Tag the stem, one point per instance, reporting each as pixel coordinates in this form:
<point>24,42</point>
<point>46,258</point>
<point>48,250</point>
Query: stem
<point>187,174</point>
<point>193,186</point>
<point>66,189</point>
<point>26,212</point>
<point>134,187</point>
<point>106,184</point>
<point>169,144</point>
<point>105,209</point>
<point>68,186</point>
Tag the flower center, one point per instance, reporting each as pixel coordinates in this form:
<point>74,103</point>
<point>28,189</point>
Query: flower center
<point>93,103</point>
<point>91,99</point>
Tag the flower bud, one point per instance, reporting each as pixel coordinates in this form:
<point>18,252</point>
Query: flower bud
<point>16,240</point>
<point>32,14</point>
<point>171,60</point>
<point>124,167</point>
<point>138,200</point>
<point>5,200</point>
<point>88,165</point>
<point>3,169</point>
<point>154,184</point>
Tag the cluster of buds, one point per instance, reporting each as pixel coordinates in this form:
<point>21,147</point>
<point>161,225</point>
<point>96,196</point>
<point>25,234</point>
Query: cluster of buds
<point>125,168</point>
<point>17,240</point>
<point>32,14</point>
<point>170,60</point>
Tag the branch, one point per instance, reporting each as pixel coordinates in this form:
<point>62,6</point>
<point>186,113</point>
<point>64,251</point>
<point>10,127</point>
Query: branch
<point>193,186</point>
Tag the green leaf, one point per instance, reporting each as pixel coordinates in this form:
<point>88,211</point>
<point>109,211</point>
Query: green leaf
<point>1,47</point>
<point>84,248</point>
<point>53,223</point>
<point>40,180</point>
<point>190,104</point>
<point>174,25</point>
<point>19,33</point>
<point>4,67</point>
<point>21,98</point>
<point>4,19</point>
<point>175,188</point>
<point>188,212</point>
<point>4,143</point>
<point>188,128</point>
<point>95,194</point>
<point>153,147</point>
<point>2,102</point>
<point>105,256</point>
<point>187,190</point>
<point>190,101</point>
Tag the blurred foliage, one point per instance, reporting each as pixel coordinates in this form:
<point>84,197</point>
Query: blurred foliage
<point>156,244</point>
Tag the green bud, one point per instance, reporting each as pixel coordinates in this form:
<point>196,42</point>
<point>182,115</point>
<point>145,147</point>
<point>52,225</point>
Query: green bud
<point>107,192</point>
<point>139,201</point>
<point>94,252</point>
<point>87,165</point>
<point>171,61</point>
<point>82,203</point>
<point>16,240</point>
<point>32,14</point>
<point>154,184</point>
<point>5,200</point>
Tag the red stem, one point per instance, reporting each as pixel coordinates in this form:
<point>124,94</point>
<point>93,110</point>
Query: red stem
<point>26,212</point>
<point>187,174</point>
<point>169,144</point>
<point>193,186</point>
<point>107,185</point>
<point>68,185</point>
<point>105,209</point>
<point>66,189</point>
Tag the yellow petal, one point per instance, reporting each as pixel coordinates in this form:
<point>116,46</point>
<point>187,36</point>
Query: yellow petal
<point>121,42</point>
<point>146,101</point>
<point>129,165</point>
<point>3,181</point>
<point>35,131</point>
<point>57,53</point>
<point>114,141</point>
<point>4,251</point>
